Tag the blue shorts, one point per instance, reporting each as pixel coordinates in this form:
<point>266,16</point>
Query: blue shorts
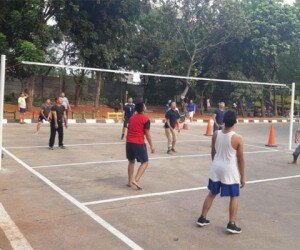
<point>136,152</point>
<point>22,111</point>
<point>232,190</point>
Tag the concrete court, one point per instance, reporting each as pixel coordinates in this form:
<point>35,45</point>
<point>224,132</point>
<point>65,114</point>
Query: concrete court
<point>56,198</point>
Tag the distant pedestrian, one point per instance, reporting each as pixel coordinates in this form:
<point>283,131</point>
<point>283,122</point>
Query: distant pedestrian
<point>227,171</point>
<point>129,110</point>
<point>138,129</point>
<point>172,121</point>
<point>66,104</point>
<point>22,106</point>
<point>191,110</point>
<point>45,112</point>
<point>58,117</point>
<point>297,150</point>
<point>218,117</point>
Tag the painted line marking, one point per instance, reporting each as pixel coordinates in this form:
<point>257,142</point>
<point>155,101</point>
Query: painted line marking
<point>100,143</point>
<point>178,191</point>
<point>12,232</point>
<point>77,164</point>
<point>78,204</point>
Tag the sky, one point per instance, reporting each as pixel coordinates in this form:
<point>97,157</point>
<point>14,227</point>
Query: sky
<point>289,1</point>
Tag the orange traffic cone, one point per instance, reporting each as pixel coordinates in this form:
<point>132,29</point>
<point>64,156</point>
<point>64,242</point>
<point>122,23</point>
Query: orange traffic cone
<point>185,126</point>
<point>210,127</point>
<point>272,139</point>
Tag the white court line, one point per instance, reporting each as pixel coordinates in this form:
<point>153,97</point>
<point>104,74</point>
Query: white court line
<point>99,143</point>
<point>178,191</point>
<point>77,164</point>
<point>12,232</point>
<point>78,204</point>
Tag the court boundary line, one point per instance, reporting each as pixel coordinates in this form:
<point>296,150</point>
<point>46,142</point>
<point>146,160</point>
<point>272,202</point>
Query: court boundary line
<point>99,143</point>
<point>78,164</point>
<point>133,197</point>
<point>118,234</point>
<point>13,234</point>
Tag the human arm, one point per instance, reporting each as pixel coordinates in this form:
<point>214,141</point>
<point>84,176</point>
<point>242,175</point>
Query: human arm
<point>65,119</point>
<point>148,136</point>
<point>214,116</point>
<point>54,116</point>
<point>240,159</point>
<point>297,136</point>
<point>213,146</point>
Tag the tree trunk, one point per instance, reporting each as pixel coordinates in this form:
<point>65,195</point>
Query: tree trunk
<point>282,105</point>
<point>263,111</point>
<point>30,82</point>
<point>98,89</point>
<point>188,74</point>
<point>242,108</point>
<point>77,95</point>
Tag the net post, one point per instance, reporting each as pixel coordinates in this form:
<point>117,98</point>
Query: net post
<point>2,82</point>
<point>292,116</point>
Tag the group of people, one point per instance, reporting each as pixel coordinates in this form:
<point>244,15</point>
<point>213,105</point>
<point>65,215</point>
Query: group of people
<point>56,114</point>
<point>227,173</point>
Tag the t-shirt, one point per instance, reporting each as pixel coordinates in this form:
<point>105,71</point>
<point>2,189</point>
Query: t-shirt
<point>173,116</point>
<point>46,109</point>
<point>219,116</point>
<point>129,109</point>
<point>65,102</point>
<point>22,102</point>
<point>59,113</point>
<point>137,126</point>
<point>191,107</point>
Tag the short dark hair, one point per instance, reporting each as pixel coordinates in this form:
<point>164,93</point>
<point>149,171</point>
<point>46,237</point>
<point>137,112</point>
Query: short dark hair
<point>139,107</point>
<point>229,118</point>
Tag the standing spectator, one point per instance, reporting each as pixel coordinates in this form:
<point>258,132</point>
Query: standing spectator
<point>66,104</point>
<point>44,114</point>
<point>192,110</point>
<point>138,128</point>
<point>22,106</point>
<point>297,150</point>
<point>129,110</point>
<point>58,116</point>
<point>172,118</point>
<point>227,171</point>
<point>218,117</point>
<point>116,105</point>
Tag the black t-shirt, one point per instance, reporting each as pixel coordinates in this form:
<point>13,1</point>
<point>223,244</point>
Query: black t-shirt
<point>59,113</point>
<point>173,116</point>
<point>129,109</point>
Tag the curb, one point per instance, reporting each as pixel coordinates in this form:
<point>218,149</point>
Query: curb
<point>155,121</point>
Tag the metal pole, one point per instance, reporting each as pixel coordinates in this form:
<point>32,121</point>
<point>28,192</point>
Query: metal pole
<point>292,116</point>
<point>2,82</point>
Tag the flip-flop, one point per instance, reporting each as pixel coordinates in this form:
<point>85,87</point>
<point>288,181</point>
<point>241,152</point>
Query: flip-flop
<point>128,185</point>
<point>137,185</point>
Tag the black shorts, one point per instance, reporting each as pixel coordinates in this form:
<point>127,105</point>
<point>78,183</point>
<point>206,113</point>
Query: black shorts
<point>41,118</point>
<point>136,152</point>
<point>125,124</point>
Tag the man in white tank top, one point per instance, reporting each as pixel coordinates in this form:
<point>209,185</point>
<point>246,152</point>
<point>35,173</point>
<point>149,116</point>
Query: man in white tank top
<point>227,171</point>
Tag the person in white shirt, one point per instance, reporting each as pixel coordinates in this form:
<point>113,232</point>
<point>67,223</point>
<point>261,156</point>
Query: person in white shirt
<point>22,106</point>
<point>227,171</point>
<point>65,103</point>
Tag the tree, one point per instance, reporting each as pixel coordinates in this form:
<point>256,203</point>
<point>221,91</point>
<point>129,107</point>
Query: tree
<point>100,31</point>
<point>26,35</point>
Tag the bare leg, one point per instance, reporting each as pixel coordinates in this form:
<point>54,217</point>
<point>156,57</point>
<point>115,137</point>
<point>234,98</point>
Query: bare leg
<point>38,127</point>
<point>130,172</point>
<point>233,208</point>
<point>207,204</point>
<point>139,174</point>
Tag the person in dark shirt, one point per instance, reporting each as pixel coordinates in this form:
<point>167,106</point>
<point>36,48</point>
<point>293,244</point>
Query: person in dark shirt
<point>172,118</point>
<point>218,117</point>
<point>129,110</point>
<point>44,114</point>
<point>138,128</point>
<point>58,116</point>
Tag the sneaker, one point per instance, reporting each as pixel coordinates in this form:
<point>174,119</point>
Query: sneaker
<point>62,147</point>
<point>169,151</point>
<point>202,221</point>
<point>51,148</point>
<point>173,150</point>
<point>232,228</point>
